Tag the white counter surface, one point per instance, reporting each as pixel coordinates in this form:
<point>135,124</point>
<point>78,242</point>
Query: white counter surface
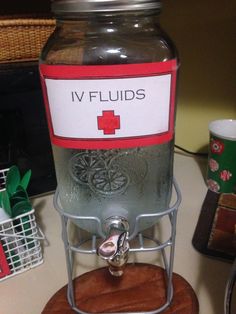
<point>28,292</point>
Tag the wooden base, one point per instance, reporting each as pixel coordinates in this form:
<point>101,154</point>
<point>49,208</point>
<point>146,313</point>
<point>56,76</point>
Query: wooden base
<point>142,288</point>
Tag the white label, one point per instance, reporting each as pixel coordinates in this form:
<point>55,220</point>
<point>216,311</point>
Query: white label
<point>83,108</point>
<point>113,106</point>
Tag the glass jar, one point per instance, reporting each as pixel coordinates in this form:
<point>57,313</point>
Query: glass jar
<point>109,75</point>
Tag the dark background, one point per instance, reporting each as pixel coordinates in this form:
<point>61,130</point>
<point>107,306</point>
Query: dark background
<point>24,6</point>
<point>24,137</point>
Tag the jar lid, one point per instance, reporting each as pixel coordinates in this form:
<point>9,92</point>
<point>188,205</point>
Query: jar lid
<point>70,6</point>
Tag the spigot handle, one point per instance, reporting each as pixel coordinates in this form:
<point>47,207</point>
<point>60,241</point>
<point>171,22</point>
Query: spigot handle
<point>114,245</point>
<point>114,249</point>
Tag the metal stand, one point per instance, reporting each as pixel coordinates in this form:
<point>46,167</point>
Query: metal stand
<point>141,247</point>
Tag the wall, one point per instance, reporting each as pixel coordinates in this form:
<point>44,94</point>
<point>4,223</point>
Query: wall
<point>205,34</point>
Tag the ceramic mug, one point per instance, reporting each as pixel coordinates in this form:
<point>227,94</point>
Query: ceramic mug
<point>221,170</point>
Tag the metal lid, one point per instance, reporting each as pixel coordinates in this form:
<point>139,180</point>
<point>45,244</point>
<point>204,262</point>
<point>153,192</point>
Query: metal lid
<point>70,6</point>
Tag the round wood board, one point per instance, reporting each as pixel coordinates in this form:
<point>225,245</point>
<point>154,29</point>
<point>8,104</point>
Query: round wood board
<point>142,288</point>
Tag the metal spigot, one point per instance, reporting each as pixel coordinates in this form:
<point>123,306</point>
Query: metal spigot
<point>114,249</point>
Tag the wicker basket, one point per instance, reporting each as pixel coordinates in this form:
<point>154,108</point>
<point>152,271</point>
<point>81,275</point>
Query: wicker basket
<point>21,39</point>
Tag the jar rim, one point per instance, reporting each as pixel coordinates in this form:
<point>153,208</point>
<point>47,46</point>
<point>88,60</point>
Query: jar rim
<point>74,6</point>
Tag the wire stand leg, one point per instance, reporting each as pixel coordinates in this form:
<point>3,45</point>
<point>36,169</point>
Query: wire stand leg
<point>69,262</point>
<point>173,219</point>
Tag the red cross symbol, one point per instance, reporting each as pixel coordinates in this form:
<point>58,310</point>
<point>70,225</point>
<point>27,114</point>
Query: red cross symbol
<point>108,122</point>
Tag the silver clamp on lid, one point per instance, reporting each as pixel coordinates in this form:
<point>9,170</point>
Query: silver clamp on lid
<point>75,6</point>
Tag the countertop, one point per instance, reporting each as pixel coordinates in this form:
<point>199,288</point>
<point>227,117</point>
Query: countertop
<point>27,293</point>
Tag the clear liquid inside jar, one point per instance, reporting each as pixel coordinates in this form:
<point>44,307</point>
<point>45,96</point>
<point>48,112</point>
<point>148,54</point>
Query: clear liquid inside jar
<point>123,182</point>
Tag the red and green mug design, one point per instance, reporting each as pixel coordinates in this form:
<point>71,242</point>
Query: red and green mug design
<point>221,174</point>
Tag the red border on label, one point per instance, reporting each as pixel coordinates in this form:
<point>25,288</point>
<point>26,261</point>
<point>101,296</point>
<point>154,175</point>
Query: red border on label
<point>87,72</point>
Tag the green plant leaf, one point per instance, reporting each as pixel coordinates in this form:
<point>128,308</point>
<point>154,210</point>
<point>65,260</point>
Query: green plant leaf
<point>26,179</point>
<point>20,192</point>
<point>12,180</point>
<point>21,207</point>
<point>6,203</point>
<point>16,199</point>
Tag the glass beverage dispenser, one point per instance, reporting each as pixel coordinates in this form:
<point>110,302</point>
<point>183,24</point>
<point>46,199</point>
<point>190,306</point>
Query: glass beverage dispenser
<point>109,78</point>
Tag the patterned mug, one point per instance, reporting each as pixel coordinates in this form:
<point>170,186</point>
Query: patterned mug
<point>221,170</point>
